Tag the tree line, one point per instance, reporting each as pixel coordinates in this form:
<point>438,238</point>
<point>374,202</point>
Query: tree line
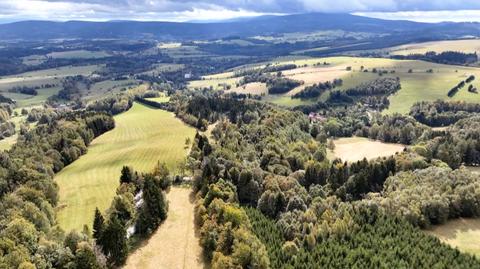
<point>447,57</point>
<point>28,194</point>
<point>316,90</point>
<point>443,113</point>
<point>138,208</point>
<point>275,161</point>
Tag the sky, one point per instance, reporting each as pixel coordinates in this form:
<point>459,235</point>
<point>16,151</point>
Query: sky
<point>198,10</point>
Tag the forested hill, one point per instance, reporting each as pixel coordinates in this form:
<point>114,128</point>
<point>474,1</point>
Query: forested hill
<point>267,25</point>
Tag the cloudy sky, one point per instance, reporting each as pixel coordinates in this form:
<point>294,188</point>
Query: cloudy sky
<point>186,10</point>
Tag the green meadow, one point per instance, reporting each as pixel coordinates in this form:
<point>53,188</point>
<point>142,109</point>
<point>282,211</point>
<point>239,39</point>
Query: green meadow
<point>143,136</point>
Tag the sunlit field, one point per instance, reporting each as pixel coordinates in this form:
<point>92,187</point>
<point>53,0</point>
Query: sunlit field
<point>142,137</point>
<point>417,83</point>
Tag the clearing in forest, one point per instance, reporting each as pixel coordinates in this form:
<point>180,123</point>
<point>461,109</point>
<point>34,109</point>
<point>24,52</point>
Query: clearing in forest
<point>474,169</point>
<point>354,149</point>
<point>461,233</point>
<point>255,88</point>
<point>174,245</point>
<point>142,137</point>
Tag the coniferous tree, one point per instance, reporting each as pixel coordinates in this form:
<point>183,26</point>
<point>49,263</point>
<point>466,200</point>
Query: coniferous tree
<point>114,240</point>
<point>98,225</point>
<point>154,209</point>
<point>126,176</point>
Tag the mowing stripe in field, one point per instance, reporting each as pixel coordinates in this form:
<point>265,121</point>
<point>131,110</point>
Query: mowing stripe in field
<point>142,137</point>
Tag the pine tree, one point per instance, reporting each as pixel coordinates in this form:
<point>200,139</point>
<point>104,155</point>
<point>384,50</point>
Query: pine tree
<point>126,176</point>
<point>154,209</point>
<point>98,226</point>
<point>114,240</point>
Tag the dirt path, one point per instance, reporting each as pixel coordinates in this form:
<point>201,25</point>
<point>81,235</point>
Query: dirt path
<point>174,244</point>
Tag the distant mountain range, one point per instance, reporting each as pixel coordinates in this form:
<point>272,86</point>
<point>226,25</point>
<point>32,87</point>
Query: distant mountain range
<point>265,25</point>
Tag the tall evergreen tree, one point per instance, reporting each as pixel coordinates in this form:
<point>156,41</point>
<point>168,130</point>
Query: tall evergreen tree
<point>154,209</point>
<point>126,176</point>
<point>98,226</point>
<point>114,240</point>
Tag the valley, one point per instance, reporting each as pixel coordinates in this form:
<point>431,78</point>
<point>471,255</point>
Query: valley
<point>176,239</point>
<point>142,138</point>
<point>297,140</point>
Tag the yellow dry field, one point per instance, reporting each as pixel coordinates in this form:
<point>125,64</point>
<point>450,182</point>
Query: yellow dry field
<point>7,143</point>
<point>142,137</point>
<point>314,75</point>
<point>463,234</point>
<point>475,170</point>
<point>466,45</point>
<point>175,244</point>
<point>216,83</point>
<point>354,149</point>
<point>169,45</point>
<point>255,88</point>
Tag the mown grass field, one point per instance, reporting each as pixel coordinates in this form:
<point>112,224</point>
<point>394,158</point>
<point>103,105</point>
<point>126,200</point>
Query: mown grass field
<point>175,243</point>
<point>464,45</point>
<point>463,234</point>
<point>79,54</point>
<point>417,85</point>
<point>52,76</point>
<point>7,143</point>
<point>142,137</point>
<point>354,149</point>
<point>24,100</point>
<point>161,99</point>
<point>72,54</point>
<point>164,67</point>
<point>474,169</point>
<point>102,88</point>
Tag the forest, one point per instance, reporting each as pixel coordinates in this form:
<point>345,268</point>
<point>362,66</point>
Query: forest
<point>29,235</point>
<point>447,57</point>
<point>275,161</point>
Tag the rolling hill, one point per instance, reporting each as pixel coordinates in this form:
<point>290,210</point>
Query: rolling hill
<point>265,25</point>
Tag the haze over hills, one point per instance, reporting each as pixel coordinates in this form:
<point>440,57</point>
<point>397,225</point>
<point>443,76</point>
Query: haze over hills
<point>265,25</point>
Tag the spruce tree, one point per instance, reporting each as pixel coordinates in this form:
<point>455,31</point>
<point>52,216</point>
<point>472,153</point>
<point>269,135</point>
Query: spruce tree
<point>154,209</point>
<point>126,176</point>
<point>98,226</point>
<point>115,242</point>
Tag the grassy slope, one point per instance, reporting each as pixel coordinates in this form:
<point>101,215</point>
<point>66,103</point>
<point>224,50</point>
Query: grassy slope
<point>24,100</point>
<point>7,143</point>
<point>467,45</point>
<point>79,54</point>
<point>416,86</point>
<point>354,149</point>
<point>175,243</point>
<point>142,137</point>
<point>461,233</point>
<point>161,99</point>
<point>38,78</point>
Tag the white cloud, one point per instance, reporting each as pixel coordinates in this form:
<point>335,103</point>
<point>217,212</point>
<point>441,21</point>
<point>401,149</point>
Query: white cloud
<point>427,16</point>
<point>181,10</point>
<point>94,11</point>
